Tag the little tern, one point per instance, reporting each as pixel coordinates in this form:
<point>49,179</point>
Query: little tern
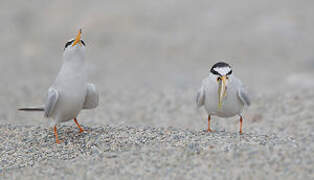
<point>71,92</point>
<point>222,94</point>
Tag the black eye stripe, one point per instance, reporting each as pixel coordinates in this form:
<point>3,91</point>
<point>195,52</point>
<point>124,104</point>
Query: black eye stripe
<point>68,43</point>
<point>217,73</point>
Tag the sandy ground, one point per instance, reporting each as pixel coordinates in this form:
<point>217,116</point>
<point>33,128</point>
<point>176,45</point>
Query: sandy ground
<point>147,59</point>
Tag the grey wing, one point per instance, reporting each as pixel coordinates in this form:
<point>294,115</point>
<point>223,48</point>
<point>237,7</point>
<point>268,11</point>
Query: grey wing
<point>200,97</point>
<point>92,97</point>
<point>243,95</point>
<point>51,101</point>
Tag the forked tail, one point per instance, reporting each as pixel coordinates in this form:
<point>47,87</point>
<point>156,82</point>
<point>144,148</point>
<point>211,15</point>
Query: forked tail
<point>32,109</point>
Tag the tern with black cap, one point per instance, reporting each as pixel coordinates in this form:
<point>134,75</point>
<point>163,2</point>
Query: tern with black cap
<point>222,94</point>
<point>71,92</point>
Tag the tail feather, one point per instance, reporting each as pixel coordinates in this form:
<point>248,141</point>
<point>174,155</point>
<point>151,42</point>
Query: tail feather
<point>31,109</point>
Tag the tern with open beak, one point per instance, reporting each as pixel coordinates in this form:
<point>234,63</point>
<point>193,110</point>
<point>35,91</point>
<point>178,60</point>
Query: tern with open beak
<point>222,94</point>
<point>71,92</point>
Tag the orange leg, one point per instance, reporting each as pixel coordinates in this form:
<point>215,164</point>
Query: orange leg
<point>241,124</point>
<point>78,125</point>
<point>56,134</point>
<point>209,130</point>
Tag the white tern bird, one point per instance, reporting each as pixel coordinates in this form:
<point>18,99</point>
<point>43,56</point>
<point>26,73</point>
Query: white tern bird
<point>222,94</point>
<point>71,92</point>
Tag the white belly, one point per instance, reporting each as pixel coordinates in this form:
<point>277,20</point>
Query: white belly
<point>71,84</point>
<point>69,106</point>
<point>231,104</point>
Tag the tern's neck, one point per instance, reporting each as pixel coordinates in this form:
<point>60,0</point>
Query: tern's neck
<point>74,59</point>
<point>73,63</point>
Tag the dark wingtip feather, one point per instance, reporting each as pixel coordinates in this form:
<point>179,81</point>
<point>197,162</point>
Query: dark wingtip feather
<point>31,109</point>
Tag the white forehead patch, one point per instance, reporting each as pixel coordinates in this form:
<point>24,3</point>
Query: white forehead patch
<point>222,70</point>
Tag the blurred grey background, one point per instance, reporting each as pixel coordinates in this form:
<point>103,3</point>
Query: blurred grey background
<point>149,57</point>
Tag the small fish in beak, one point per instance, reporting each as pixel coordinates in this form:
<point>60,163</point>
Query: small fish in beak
<point>221,90</point>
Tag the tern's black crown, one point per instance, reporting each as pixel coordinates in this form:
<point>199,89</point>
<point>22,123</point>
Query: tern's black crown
<point>219,65</point>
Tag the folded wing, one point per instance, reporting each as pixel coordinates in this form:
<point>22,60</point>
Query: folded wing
<point>51,101</point>
<point>200,97</point>
<point>92,97</point>
<point>243,95</point>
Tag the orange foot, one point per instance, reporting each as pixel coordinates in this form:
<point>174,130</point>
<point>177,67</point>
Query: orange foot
<point>56,134</point>
<point>58,141</point>
<point>241,119</point>
<point>78,125</point>
<point>209,130</point>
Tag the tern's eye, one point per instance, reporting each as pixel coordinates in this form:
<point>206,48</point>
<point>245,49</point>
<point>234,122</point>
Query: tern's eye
<point>68,44</point>
<point>83,42</point>
<point>227,77</point>
<point>218,79</point>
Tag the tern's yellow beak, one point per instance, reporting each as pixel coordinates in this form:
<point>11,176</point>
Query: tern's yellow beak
<point>78,38</point>
<point>221,90</point>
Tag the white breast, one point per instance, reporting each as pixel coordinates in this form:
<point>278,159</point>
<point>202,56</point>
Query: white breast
<point>71,84</point>
<point>231,104</point>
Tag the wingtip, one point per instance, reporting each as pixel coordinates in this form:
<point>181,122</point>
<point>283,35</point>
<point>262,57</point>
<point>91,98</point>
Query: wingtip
<point>31,109</point>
